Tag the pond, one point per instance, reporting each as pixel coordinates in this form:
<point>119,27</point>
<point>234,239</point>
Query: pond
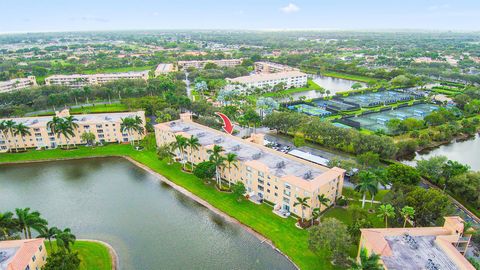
<point>150,224</point>
<point>465,152</point>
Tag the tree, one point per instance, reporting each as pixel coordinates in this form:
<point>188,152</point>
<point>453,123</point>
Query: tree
<point>4,131</point>
<point>193,143</point>
<point>21,130</point>
<point>298,140</point>
<point>8,225</point>
<point>180,144</point>
<point>231,161</point>
<point>402,174</point>
<point>131,125</point>
<point>369,160</point>
<point>407,213</point>
<point>315,215</point>
<point>367,183</point>
<point>88,137</point>
<point>467,186</point>
<point>332,237</point>
<point>165,152</point>
<point>30,220</point>
<point>303,202</point>
<point>367,262</point>
<point>204,170</point>
<point>62,260</point>
<point>432,168</point>
<point>238,190</point>
<point>357,85</point>
<point>49,233</point>
<point>323,200</point>
<point>219,161</point>
<point>65,239</point>
<point>386,211</point>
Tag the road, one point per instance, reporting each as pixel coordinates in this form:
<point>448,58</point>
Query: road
<point>189,90</point>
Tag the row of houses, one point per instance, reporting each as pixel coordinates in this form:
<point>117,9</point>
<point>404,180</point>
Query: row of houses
<point>81,80</point>
<point>17,84</point>
<point>201,63</point>
<point>267,81</point>
<point>105,126</point>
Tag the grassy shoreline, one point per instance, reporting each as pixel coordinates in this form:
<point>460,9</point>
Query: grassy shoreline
<point>283,234</point>
<point>92,254</point>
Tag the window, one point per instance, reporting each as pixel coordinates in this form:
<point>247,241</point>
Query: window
<point>260,187</point>
<point>287,186</point>
<point>40,247</point>
<point>276,194</point>
<point>34,258</point>
<point>286,200</point>
<point>260,181</point>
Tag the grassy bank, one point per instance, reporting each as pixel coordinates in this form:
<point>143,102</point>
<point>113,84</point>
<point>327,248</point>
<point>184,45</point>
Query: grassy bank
<point>93,255</point>
<point>350,77</point>
<point>282,232</point>
<point>311,85</point>
<point>100,108</point>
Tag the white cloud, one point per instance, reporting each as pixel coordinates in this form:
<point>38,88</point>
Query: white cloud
<point>290,8</point>
<point>439,7</point>
<point>156,13</point>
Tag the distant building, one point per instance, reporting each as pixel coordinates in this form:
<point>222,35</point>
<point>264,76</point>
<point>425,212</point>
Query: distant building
<point>105,127</point>
<point>270,67</point>
<point>201,63</point>
<point>420,248</point>
<point>164,69</point>
<point>81,80</point>
<point>290,79</point>
<point>17,84</point>
<point>267,174</point>
<point>28,254</point>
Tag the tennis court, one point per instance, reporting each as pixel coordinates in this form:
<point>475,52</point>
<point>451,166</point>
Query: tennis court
<point>378,120</point>
<point>378,98</point>
<point>310,110</point>
<point>335,105</point>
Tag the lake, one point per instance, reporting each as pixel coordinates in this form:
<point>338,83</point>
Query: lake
<point>150,224</point>
<point>465,152</point>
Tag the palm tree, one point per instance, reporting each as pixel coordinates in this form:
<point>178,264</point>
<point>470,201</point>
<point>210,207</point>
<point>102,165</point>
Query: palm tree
<point>231,160</point>
<point>3,130</point>
<point>166,151</point>
<point>65,238</point>
<point>131,125</point>
<point>303,202</point>
<point>49,233</point>
<point>30,220</point>
<point>10,127</point>
<point>366,184</point>
<point>385,212</point>
<point>323,200</point>
<point>88,137</point>
<point>22,130</point>
<point>367,262</point>
<point>218,160</point>
<point>193,143</point>
<point>407,213</point>
<point>70,121</point>
<point>180,144</point>
<point>315,215</point>
<point>8,224</point>
<point>53,125</point>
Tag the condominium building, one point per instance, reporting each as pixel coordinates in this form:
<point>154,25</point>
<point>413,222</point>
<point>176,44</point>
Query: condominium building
<point>28,254</point>
<point>266,81</point>
<point>105,127</point>
<point>17,84</point>
<point>201,63</point>
<point>420,248</point>
<point>270,67</point>
<point>267,174</point>
<point>81,80</point>
<point>164,69</point>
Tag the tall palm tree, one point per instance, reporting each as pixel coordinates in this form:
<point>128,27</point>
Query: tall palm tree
<point>131,125</point>
<point>65,238</point>
<point>231,160</point>
<point>367,262</point>
<point>303,202</point>
<point>54,124</point>
<point>49,233</point>
<point>407,213</point>
<point>180,144</point>
<point>70,121</point>
<point>64,128</point>
<point>385,212</point>
<point>366,184</point>
<point>30,220</point>
<point>218,160</point>
<point>323,200</point>
<point>315,215</point>
<point>3,130</point>
<point>8,224</point>
<point>21,130</point>
<point>193,143</point>
<point>10,127</point>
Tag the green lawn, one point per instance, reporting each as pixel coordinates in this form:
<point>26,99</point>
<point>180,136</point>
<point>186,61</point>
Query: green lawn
<point>117,70</point>
<point>311,85</point>
<point>345,214</point>
<point>282,232</point>
<point>101,108</point>
<point>93,255</point>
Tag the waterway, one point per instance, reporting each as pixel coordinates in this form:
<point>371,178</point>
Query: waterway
<point>150,224</point>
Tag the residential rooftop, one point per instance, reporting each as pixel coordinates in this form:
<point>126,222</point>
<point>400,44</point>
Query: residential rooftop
<point>15,254</point>
<point>267,76</point>
<point>129,73</point>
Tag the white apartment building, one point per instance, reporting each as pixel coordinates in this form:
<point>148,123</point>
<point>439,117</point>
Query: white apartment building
<point>163,68</point>
<point>105,127</point>
<point>80,80</point>
<point>270,67</point>
<point>17,84</point>
<point>201,63</point>
<point>266,81</point>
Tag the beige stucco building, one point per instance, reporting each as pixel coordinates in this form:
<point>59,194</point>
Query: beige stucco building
<point>270,67</point>
<point>105,127</point>
<point>420,248</point>
<point>17,84</point>
<point>164,68</point>
<point>81,80</point>
<point>267,174</point>
<point>266,81</point>
<point>201,63</point>
<point>28,254</point>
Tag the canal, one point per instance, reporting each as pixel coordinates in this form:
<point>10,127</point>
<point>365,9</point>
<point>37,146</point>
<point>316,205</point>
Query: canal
<point>150,224</point>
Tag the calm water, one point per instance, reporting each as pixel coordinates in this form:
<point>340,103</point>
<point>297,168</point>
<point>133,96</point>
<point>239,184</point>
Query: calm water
<point>466,152</point>
<point>329,83</point>
<point>150,225</point>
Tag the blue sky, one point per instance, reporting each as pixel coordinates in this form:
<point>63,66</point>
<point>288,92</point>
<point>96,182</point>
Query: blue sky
<point>74,15</point>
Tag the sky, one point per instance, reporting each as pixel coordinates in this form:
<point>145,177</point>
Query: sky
<point>85,15</point>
